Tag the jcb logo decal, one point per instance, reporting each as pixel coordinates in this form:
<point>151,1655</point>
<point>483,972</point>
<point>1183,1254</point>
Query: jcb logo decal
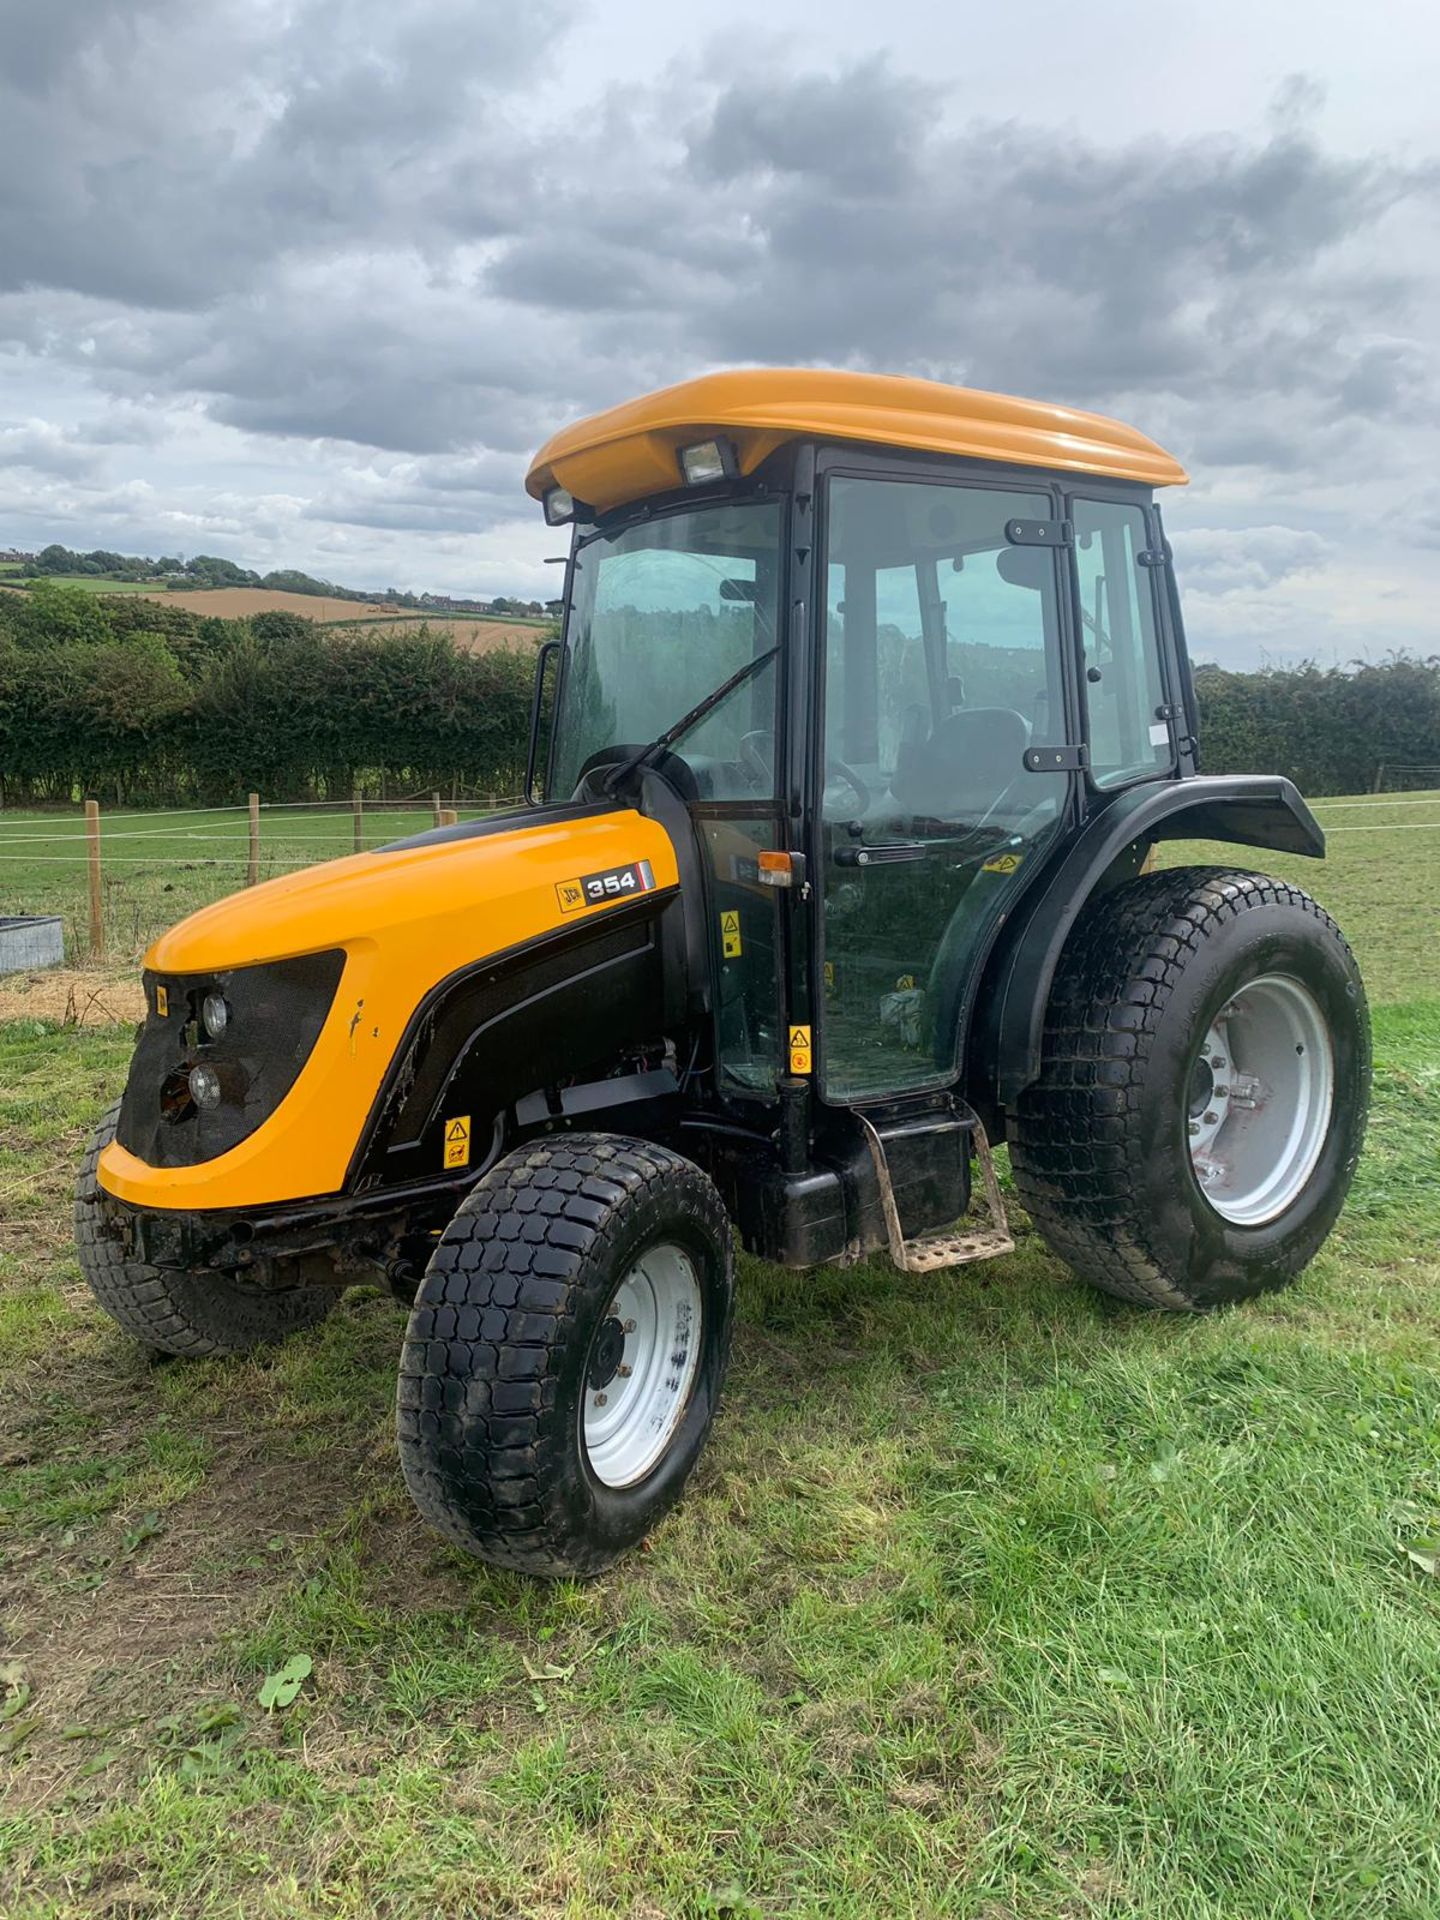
<point>594,889</point>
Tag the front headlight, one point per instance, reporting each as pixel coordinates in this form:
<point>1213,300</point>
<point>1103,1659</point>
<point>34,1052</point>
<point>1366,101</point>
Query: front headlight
<point>223,1054</point>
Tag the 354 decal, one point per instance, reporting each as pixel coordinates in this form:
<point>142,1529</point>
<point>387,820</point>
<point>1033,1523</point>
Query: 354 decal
<point>595,889</point>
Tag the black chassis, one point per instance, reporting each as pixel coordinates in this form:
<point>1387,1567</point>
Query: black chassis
<point>610,1027</point>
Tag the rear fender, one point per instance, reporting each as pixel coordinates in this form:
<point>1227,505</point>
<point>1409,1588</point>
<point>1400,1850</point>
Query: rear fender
<point>1255,810</point>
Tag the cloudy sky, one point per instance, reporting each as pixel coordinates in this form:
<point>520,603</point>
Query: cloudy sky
<point>304,282</point>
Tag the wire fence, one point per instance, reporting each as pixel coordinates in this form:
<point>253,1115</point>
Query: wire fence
<point>117,879</point>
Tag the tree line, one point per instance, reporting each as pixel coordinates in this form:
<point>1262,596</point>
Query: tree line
<point>142,703</point>
<point>209,570</point>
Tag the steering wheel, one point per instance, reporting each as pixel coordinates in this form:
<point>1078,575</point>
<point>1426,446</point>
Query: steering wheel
<point>839,770</point>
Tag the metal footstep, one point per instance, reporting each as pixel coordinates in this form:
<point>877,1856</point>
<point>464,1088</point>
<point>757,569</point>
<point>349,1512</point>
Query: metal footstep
<point>944,1246</point>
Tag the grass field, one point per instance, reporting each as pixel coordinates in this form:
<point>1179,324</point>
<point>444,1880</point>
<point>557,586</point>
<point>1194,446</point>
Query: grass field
<point>158,867</point>
<point>991,1599</point>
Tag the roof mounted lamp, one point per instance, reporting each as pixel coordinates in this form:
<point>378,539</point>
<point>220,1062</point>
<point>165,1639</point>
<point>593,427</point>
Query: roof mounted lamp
<point>708,461</point>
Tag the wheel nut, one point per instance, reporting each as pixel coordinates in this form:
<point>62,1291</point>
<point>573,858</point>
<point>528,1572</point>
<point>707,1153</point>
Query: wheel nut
<point>1211,1118</point>
<point>629,1326</point>
<point>1194,1126</point>
<point>1218,1060</point>
<point>600,1399</point>
<point>623,1371</point>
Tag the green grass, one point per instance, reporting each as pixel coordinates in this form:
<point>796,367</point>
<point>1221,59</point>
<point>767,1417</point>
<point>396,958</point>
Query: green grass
<point>158,867</point>
<point>1380,878</point>
<point>991,1598</point>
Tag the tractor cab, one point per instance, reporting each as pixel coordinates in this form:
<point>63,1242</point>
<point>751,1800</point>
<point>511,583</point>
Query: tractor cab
<point>889,646</point>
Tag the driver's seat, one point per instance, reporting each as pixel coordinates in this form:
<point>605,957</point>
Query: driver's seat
<point>965,768</point>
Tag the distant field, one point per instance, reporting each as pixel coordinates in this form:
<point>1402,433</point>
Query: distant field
<point>475,632</point>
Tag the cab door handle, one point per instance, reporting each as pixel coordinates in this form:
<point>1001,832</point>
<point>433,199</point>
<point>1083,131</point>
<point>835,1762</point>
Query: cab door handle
<point>881,856</point>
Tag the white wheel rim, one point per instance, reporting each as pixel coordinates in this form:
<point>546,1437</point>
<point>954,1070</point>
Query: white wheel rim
<point>1259,1100</point>
<point>642,1366</point>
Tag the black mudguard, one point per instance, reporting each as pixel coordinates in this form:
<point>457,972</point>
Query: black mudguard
<point>1255,810</point>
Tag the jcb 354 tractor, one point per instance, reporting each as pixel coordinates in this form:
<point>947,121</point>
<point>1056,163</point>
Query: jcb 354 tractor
<point>871,701</point>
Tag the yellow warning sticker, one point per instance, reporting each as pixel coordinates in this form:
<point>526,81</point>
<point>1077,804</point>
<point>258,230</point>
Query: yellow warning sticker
<point>799,1049</point>
<point>162,1002</point>
<point>457,1141</point>
<point>906,983</point>
<point>1003,863</point>
<point>730,935</point>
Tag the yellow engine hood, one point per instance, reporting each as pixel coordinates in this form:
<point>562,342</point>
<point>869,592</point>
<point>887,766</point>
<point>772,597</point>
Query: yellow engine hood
<point>406,919</point>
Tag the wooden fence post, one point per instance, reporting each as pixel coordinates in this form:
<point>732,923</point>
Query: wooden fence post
<point>357,807</point>
<point>448,817</point>
<point>252,867</point>
<point>435,807</point>
<point>97,910</point>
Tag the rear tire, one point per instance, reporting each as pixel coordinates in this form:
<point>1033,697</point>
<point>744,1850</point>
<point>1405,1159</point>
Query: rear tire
<point>565,1353</point>
<point>194,1314</point>
<point>1141,1164</point>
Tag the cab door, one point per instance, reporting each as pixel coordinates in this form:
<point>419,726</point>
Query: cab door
<point>943,665</point>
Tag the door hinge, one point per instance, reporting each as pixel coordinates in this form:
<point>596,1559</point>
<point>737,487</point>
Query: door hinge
<point>1056,759</point>
<point>1039,533</point>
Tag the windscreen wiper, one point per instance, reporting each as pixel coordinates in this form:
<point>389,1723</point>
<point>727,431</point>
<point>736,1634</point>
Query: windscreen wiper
<point>688,720</point>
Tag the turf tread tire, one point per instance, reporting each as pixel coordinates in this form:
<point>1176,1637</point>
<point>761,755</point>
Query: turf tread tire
<point>494,1354</point>
<point>196,1315</point>
<point>1084,1129</point>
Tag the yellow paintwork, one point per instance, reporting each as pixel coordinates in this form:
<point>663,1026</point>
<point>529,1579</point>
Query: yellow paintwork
<point>631,450</point>
<point>406,920</point>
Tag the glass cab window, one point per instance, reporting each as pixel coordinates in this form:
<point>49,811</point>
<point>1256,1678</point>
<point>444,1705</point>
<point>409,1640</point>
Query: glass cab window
<point>942,665</point>
<point>662,613</point>
<point>1124,682</point>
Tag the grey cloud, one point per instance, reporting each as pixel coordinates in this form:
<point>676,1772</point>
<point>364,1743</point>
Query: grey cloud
<point>353,225</point>
<point>1221,560</point>
<point>43,448</point>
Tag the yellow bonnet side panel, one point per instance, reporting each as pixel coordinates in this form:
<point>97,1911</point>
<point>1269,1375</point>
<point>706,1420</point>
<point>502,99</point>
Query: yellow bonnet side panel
<point>406,920</point>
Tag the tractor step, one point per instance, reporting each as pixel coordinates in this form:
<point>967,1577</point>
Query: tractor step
<point>949,1246</point>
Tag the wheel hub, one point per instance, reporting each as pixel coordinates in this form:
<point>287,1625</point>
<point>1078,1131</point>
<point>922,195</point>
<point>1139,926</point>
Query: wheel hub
<point>642,1367</point>
<point>608,1352</point>
<point>1259,1100</point>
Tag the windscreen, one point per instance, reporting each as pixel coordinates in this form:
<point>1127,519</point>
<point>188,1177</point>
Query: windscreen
<point>664,611</point>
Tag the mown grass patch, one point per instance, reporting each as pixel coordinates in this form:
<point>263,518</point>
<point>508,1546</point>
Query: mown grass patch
<point>991,1598</point>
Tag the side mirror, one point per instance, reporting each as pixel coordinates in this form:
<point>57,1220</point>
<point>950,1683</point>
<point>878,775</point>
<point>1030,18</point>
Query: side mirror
<point>537,704</point>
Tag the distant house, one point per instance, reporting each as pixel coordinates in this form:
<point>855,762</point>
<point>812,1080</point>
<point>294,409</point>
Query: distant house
<point>12,557</point>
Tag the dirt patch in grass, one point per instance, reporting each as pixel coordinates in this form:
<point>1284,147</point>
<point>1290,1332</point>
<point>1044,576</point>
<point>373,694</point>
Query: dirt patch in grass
<point>74,996</point>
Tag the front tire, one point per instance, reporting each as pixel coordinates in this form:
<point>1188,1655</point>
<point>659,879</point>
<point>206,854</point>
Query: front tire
<point>1203,1091</point>
<point>565,1353</point>
<point>197,1315</point>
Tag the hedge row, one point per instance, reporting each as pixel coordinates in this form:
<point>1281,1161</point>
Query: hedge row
<point>142,703</point>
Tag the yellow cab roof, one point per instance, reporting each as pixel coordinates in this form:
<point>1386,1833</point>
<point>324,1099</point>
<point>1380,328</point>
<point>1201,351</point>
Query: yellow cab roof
<point>630,451</point>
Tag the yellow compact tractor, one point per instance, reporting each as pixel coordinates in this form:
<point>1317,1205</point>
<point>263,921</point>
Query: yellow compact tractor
<point>871,701</point>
